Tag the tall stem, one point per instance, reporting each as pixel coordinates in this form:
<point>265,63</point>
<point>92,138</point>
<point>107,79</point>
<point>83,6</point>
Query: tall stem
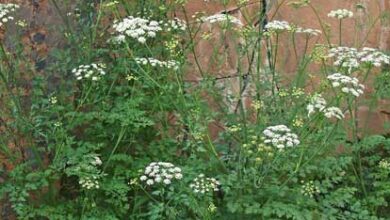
<point>340,27</point>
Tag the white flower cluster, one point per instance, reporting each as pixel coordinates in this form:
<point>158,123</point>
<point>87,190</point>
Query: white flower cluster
<point>318,104</point>
<point>277,26</point>
<point>202,184</point>
<point>174,24</point>
<point>221,18</point>
<point>92,180</point>
<point>89,182</point>
<point>373,56</point>
<point>340,14</point>
<point>170,64</point>
<point>161,172</point>
<point>92,71</point>
<point>333,112</point>
<point>5,10</point>
<point>308,31</point>
<point>309,188</point>
<point>345,56</point>
<point>280,136</point>
<point>349,85</point>
<point>96,161</point>
<point>384,164</point>
<point>137,28</point>
<point>352,58</point>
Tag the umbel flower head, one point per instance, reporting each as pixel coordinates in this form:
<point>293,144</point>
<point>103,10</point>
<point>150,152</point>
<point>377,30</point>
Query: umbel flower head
<point>308,31</point>
<point>174,25</point>
<point>280,136</point>
<point>170,64</point>
<point>340,14</point>
<point>92,72</point>
<point>333,112</point>
<point>142,29</point>
<point>161,173</point>
<point>137,28</point>
<point>309,188</point>
<point>226,18</point>
<point>277,26</point>
<point>349,85</point>
<point>345,57</point>
<point>318,104</point>
<point>352,58</point>
<point>202,184</point>
<point>5,10</point>
<point>87,169</point>
<point>373,56</point>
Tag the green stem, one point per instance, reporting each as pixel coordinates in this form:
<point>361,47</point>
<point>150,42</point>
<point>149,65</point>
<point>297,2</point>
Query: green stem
<point>340,32</point>
<point>120,137</point>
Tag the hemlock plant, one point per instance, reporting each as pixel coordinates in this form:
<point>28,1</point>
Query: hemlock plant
<point>125,135</point>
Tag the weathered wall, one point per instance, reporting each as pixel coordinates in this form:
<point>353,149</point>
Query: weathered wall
<point>369,27</point>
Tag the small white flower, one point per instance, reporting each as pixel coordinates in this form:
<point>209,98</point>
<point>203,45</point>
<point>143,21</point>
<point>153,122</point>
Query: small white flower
<point>149,182</point>
<point>157,179</point>
<point>167,181</point>
<point>97,161</point>
<point>142,40</point>
<point>143,178</point>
